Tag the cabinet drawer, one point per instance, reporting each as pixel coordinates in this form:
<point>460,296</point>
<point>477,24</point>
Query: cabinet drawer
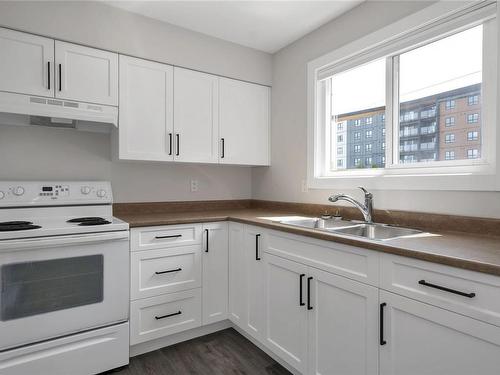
<point>165,236</point>
<point>161,271</point>
<point>155,317</point>
<point>349,261</point>
<point>469,293</point>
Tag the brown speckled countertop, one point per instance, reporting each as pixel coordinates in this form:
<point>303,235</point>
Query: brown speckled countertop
<point>463,250</point>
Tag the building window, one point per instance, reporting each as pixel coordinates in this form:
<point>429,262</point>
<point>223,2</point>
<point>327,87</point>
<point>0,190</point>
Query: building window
<point>357,162</point>
<point>450,104</point>
<point>340,138</point>
<point>369,120</point>
<point>340,126</point>
<point>383,146</point>
<point>368,161</point>
<point>368,134</point>
<point>449,121</point>
<point>449,138</point>
<point>340,163</point>
<point>382,117</point>
<point>473,100</point>
<point>340,150</point>
<point>357,148</point>
<point>472,118</point>
<point>357,122</point>
<point>472,136</point>
<point>473,153</point>
<point>449,155</point>
<point>357,136</point>
<point>383,132</point>
<point>368,147</point>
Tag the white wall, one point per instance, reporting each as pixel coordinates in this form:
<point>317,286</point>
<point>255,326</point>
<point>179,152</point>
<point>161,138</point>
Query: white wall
<point>31,153</point>
<point>283,180</point>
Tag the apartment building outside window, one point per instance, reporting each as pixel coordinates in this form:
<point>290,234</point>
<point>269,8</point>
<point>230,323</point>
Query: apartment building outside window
<point>472,118</point>
<point>369,120</point>
<point>369,134</point>
<point>473,153</point>
<point>450,104</point>
<point>357,136</point>
<point>449,138</point>
<point>450,121</point>
<point>340,126</point>
<point>357,122</point>
<point>340,138</point>
<point>368,147</point>
<point>340,150</point>
<point>357,162</point>
<point>473,100</point>
<point>472,136</point>
<point>449,155</point>
<point>357,148</point>
<point>340,163</point>
<point>368,161</point>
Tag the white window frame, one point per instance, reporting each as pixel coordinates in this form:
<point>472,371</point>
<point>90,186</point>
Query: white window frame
<point>432,23</point>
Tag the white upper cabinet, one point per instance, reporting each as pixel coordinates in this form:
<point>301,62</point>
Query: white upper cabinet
<point>146,110</point>
<point>196,116</point>
<point>26,63</point>
<point>243,123</point>
<point>86,74</point>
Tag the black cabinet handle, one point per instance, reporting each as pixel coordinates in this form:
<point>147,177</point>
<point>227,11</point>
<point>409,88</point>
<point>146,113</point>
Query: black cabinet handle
<point>48,75</point>
<point>171,236</point>
<point>170,143</point>
<point>60,77</point>
<point>301,301</point>
<point>223,146</point>
<point>309,307</point>
<point>257,247</point>
<point>168,315</point>
<point>168,271</point>
<point>381,325</point>
<point>177,151</point>
<point>207,231</point>
<point>464,294</point>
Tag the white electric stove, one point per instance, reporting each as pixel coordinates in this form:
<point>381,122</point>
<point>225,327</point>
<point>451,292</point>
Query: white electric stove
<point>64,277</point>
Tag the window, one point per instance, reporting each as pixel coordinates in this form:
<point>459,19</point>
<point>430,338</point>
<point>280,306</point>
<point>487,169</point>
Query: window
<point>340,150</point>
<point>340,163</point>
<point>368,162</point>
<point>472,118</point>
<point>340,126</point>
<point>421,93</point>
<point>340,138</point>
<point>473,153</point>
<point>473,100</point>
<point>472,136</point>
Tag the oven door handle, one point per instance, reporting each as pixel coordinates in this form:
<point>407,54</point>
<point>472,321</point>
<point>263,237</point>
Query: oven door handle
<point>56,241</point>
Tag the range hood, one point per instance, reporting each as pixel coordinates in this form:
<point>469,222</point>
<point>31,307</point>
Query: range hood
<point>28,110</point>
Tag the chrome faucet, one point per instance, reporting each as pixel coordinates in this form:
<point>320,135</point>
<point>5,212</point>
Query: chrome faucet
<point>366,209</point>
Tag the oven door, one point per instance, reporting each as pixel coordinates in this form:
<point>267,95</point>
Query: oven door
<point>55,286</point>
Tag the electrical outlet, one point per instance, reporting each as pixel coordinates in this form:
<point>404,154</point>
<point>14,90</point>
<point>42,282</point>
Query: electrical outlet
<point>304,186</point>
<point>194,186</point>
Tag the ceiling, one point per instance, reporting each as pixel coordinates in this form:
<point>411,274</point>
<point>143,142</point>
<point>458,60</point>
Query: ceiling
<point>264,25</point>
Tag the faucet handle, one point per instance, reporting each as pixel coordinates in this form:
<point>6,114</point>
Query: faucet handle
<point>367,194</point>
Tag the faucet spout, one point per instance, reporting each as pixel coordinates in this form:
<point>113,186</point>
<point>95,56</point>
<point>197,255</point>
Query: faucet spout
<point>366,208</point>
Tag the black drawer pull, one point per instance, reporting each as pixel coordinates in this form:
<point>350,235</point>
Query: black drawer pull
<point>168,271</point>
<point>309,307</point>
<point>171,236</point>
<point>301,300</point>
<point>48,75</point>
<point>468,295</point>
<point>177,151</point>
<point>223,147</point>
<point>257,247</point>
<point>60,77</point>
<point>170,143</point>
<point>381,325</point>
<point>207,232</point>
<point>168,315</point>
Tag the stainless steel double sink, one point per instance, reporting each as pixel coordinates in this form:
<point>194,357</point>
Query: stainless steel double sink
<point>374,231</point>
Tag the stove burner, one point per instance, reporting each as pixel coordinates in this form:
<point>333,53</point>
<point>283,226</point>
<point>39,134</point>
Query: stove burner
<point>96,222</point>
<point>8,226</point>
<point>86,219</point>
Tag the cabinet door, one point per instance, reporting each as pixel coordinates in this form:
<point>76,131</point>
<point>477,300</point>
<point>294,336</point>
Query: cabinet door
<point>237,275</point>
<point>256,282</point>
<point>86,74</point>
<point>426,340</point>
<point>215,272</point>
<point>286,312</point>
<point>243,123</point>
<point>146,110</point>
<point>26,64</point>
<point>343,326</point>
<point>196,116</point>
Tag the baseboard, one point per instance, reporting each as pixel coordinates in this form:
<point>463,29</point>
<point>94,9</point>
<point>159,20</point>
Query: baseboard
<point>266,350</point>
<point>178,337</point>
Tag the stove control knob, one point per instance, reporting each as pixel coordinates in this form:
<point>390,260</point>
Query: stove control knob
<point>2,195</point>
<point>18,190</point>
<point>85,190</point>
<point>101,193</point>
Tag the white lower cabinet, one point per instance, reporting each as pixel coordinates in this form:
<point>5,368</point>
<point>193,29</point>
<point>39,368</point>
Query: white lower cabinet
<point>421,339</point>
<point>237,275</point>
<point>215,272</point>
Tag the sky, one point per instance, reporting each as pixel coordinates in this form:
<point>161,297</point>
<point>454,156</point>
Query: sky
<point>447,64</point>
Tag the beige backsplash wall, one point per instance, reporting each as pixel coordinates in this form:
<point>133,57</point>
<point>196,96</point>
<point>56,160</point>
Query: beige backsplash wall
<point>42,153</point>
<point>283,180</point>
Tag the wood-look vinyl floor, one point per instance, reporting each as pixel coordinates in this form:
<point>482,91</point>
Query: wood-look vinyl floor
<point>223,352</point>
